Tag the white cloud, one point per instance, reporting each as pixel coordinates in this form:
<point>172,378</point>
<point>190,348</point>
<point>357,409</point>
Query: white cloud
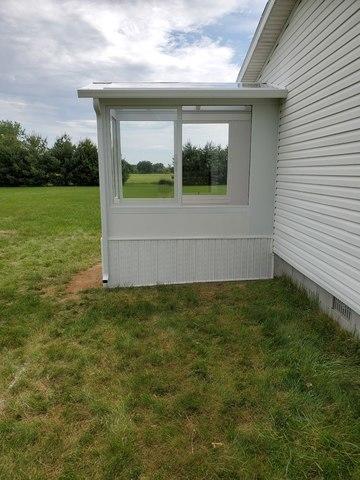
<point>51,48</point>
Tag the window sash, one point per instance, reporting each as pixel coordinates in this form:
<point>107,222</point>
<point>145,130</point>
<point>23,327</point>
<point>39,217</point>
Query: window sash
<point>141,114</point>
<point>207,199</point>
<point>179,117</point>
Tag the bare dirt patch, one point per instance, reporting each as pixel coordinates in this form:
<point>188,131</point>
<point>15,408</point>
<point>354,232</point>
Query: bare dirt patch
<point>90,278</point>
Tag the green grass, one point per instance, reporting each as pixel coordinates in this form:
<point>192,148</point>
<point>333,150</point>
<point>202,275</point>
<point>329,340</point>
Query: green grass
<point>144,178</point>
<point>227,381</point>
<point>204,190</point>
<point>147,186</point>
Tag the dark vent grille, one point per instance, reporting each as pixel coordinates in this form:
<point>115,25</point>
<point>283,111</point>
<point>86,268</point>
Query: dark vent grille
<point>339,306</point>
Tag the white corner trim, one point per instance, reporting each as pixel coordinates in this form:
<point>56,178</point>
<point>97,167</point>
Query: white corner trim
<point>255,40</point>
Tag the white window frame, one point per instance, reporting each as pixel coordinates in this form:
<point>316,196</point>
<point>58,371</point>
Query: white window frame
<point>197,116</point>
<point>229,117</point>
<point>144,114</point>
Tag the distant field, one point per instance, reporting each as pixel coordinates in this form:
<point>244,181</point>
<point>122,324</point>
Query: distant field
<point>204,190</point>
<point>146,178</point>
<point>147,186</point>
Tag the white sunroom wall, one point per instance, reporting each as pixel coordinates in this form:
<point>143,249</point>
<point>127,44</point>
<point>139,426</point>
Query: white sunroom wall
<point>144,245</point>
<point>317,209</point>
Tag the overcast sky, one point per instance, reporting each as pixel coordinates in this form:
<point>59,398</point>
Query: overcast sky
<point>49,48</point>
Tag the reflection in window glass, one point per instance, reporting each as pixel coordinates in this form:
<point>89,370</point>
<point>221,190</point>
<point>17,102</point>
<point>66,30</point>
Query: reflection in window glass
<point>147,159</point>
<point>205,158</point>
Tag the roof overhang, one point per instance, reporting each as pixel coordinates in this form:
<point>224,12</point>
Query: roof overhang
<point>271,24</point>
<point>175,90</point>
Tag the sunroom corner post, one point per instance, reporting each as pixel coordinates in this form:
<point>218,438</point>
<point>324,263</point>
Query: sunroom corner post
<point>104,187</point>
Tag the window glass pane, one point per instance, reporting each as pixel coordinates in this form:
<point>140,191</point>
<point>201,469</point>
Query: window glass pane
<point>205,158</point>
<point>147,158</point>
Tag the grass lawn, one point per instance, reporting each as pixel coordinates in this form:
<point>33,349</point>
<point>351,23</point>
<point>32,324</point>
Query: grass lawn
<point>232,381</point>
<point>143,178</point>
<point>147,186</point>
<point>204,190</point>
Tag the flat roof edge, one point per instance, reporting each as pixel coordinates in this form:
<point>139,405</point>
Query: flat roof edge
<point>155,93</point>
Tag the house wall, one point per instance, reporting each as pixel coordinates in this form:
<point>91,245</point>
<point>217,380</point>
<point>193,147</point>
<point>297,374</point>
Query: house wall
<point>348,320</point>
<point>317,203</point>
<point>145,245</point>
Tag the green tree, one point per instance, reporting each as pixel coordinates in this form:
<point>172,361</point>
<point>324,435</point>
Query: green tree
<point>144,167</point>
<point>126,170</point>
<point>63,151</point>
<point>13,168</point>
<point>158,168</point>
<point>27,159</point>
<point>195,168</point>
<point>84,165</point>
<point>204,165</point>
<point>40,163</point>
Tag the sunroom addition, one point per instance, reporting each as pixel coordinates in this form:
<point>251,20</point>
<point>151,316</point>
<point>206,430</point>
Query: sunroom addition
<point>186,180</point>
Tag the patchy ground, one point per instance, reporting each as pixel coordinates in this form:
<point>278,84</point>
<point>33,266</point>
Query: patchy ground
<point>89,278</point>
<point>225,381</point>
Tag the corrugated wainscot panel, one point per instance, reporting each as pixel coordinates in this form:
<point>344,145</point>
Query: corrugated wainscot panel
<point>151,262</point>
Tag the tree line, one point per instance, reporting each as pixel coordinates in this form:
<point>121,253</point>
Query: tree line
<point>27,159</point>
<point>144,166</point>
<point>205,165</point>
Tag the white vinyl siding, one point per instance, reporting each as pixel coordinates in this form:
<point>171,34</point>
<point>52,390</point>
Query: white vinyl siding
<point>317,205</point>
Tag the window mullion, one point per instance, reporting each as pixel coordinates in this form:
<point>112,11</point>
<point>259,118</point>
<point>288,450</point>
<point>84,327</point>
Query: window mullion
<point>119,162</point>
<point>178,155</point>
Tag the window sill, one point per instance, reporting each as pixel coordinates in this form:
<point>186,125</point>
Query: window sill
<point>166,208</point>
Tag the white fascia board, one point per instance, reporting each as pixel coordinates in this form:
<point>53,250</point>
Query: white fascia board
<point>156,93</point>
<point>255,39</point>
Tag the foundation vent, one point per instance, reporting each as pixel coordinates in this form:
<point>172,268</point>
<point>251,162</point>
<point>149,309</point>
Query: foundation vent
<point>341,307</point>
